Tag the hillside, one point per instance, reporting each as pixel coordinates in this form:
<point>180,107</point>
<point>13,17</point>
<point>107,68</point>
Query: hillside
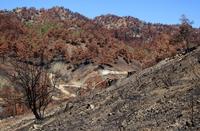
<point>162,97</point>
<point>70,44</point>
<point>113,72</point>
<point>74,38</point>
<point>156,98</point>
<point>151,42</point>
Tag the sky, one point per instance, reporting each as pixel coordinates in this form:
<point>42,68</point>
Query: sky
<point>155,11</point>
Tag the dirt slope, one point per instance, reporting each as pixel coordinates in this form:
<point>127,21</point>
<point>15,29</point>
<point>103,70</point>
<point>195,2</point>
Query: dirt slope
<point>157,98</point>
